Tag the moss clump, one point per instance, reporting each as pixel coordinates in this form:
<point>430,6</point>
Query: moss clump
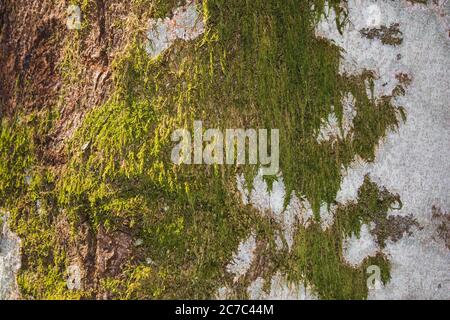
<point>334,278</point>
<point>26,190</point>
<point>16,157</point>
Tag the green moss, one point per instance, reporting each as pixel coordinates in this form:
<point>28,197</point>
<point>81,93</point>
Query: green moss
<point>16,157</point>
<point>26,191</point>
<point>258,65</point>
<point>317,255</point>
<point>34,219</point>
